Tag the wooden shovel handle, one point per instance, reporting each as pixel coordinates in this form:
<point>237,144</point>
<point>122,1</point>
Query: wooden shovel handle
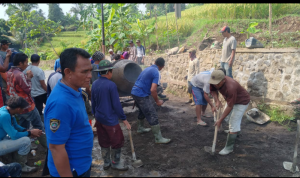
<point>131,144</point>
<point>293,169</point>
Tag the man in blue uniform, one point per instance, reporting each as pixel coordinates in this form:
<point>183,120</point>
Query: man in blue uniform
<point>143,93</point>
<point>108,110</point>
<point>69,134</point>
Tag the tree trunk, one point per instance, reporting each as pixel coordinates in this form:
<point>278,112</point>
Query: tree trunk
<point>270,22</point>
<point>167,25</point>
<point>51,45</point>
<point>157,47</point>
<point>177,31</point>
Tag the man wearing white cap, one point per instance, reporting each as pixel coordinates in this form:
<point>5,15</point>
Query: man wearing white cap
<point>237,99</point>
<point>111,52</point>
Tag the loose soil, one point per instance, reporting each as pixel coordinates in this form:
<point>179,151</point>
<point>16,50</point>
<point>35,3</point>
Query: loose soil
<point>259,150</point>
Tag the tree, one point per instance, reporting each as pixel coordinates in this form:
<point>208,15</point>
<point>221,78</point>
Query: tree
<point>20,7</point>
<point>55,13</point>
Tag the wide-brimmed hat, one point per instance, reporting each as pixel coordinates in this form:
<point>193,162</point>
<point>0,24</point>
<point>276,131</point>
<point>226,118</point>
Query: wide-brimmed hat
<point>216,77</point>
<point>104,65</point>
<point>130,41</point>
<point>110,50</point>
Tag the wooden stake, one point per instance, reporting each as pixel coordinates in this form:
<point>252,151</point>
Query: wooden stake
<point>270,23</point>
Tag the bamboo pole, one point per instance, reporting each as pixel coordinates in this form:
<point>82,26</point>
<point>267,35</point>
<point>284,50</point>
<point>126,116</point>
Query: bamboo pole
<point>157,47</point>
<point>270,23</point>
<point>176,23</point>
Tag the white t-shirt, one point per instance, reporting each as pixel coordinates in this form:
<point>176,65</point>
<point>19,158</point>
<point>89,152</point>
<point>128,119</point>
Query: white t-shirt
<point>228,45</point>
<point>54,79</point>
<point>38,74</point>
<point>201,80</point>
<point>194,69</point>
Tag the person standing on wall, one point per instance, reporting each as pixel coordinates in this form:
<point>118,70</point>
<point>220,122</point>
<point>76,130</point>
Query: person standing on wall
<point>132,51</point>
<point>140,53</point>
<point>38,88</point>
<point>19,84</point>
<point>193,70</point>
<point>237,99</point>
<point>228,50</point>
<point>69,134</point>
<point>143,93</point>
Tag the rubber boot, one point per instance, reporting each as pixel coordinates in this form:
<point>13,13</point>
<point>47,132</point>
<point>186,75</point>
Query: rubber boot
<point>43,140</point>
<point>158,136</point>
<point>229,144</point>
<point>141,128</point>
<point>106,157</point>
<point>116,160</point>
<point>22,159</point>
<point>193,103</point>
<point>190,98</point>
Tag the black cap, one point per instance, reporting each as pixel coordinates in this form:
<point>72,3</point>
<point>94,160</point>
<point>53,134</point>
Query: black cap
<point>130,41</point>
<point>225,28</point>
<point>5,42</point>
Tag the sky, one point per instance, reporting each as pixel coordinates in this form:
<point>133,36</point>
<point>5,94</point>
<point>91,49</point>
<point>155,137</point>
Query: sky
<point>64,6</point>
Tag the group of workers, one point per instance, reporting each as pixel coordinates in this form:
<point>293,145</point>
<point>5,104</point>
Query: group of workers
<point>68,135</point>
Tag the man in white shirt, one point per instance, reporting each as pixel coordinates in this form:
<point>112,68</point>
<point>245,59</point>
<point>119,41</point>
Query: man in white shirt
<point>200,90</point>
<point>140,52</point>
<point>228,50</point>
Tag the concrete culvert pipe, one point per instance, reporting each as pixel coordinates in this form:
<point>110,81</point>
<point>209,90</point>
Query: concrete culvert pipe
<point>124,75</point>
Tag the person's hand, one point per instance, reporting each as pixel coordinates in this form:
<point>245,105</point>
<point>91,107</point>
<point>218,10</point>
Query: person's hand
<point>29,74</point>
<point>8,53</point>
<point>230,63</point>
<point>218,105</point>
<point>213,109</point>
<point>160,102</point>
<point>218,123</point>
<point>36,133</point>
<point>127,124</point>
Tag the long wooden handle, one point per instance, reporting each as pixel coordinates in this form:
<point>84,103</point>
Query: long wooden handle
<point>216,133</point>
<point>131,144</point>
<point>293,169</point>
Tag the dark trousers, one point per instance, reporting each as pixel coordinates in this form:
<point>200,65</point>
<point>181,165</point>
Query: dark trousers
<point>147,109</point>
<point>86,174</point>
<point>14,169</point>
<point>110,136</point>
<point>39,101</point>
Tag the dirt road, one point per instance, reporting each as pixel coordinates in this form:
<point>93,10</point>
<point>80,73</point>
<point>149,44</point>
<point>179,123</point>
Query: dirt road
<point>259,151</point>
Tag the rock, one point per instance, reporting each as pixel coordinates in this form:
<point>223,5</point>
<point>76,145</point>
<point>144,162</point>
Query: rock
<point>287,77</point>
<point>181,50</point>
<point>216,45</point>
<point>173,51</point>
<point>296,83</point>
<point>205,43</point>
<point>288,70</point>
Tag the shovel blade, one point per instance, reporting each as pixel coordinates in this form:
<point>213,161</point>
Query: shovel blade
<point>208,149</point>
<point>137,163</point>
<point>288,166</point>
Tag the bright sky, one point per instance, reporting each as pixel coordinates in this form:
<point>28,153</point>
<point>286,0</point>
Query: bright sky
<point>64,6</point>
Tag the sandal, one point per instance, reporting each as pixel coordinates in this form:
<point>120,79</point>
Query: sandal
<point>202,123</point>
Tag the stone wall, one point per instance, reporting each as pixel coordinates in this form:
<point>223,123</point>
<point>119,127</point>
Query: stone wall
<point>272,74</point>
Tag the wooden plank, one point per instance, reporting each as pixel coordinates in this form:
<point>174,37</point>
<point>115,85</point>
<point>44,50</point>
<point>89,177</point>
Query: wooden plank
<point>268,50</point>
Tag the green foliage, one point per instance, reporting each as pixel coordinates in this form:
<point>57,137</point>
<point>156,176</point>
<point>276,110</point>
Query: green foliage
<point>55,12</point>
<point>27,51</point>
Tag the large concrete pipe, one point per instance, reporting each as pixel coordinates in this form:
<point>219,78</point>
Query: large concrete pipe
<point>125,75</point>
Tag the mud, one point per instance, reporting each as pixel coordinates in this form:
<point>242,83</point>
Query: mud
<point>259,150</point>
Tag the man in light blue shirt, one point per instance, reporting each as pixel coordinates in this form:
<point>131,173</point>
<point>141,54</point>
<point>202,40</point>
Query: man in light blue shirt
<point>143,93</point>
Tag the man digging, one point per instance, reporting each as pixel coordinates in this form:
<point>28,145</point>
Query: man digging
<point>200,91</point>
<point>237,99</point>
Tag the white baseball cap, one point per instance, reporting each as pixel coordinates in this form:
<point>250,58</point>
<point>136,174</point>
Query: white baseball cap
<point>110,50</point>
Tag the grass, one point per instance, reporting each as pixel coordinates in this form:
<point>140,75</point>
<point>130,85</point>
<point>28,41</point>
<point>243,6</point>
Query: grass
<point>276,115</point>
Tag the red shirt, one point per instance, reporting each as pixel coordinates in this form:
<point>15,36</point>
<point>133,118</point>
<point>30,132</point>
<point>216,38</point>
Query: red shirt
<point>19,85</point>
<point>233,92</point>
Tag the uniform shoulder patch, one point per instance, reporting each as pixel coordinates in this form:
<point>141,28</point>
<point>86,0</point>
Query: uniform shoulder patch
<point>54,125</point>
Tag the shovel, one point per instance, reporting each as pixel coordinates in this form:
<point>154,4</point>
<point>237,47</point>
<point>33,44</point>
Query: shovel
<point>136,163</point>
<point>209,149</point>
<point>291,166</point>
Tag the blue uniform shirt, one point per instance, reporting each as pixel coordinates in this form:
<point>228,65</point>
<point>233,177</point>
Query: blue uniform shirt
<point>56,64</point>
<point>66,122</point>
<point>143,84</point>
<point>106,104</point>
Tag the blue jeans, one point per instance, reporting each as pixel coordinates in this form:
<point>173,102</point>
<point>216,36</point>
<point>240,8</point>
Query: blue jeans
<point>228,69</point>
<point>14,169</point>
<point>33,117</point>
<point>22,145</point>
<point>86,174</point>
